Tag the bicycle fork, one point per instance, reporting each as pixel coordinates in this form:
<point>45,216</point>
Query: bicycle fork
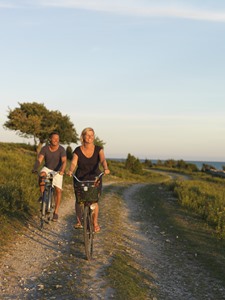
<point>92,208</point>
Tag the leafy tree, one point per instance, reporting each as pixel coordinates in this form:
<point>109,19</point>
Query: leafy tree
<point>181,164</point>
<point>170,163</point>
<point>133,164</point>
<point>35,120</point>
<point>98,142</point>
<point>148,163</point>
<point>192,167</point>
<point>69,152</point>
<point>159,163</point>
<point>137,167</point>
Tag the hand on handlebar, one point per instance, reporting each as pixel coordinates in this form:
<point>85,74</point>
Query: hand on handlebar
<point>106,172</point>
<point>69,173</point>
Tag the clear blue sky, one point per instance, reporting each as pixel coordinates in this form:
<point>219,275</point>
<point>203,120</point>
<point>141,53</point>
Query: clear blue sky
<point>148,76</point>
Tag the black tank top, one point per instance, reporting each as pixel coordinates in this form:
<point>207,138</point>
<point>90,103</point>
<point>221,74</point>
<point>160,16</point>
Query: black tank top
<point>87,168</point>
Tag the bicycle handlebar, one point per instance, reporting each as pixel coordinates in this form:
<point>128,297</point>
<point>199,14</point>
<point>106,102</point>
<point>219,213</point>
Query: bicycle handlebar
<point>89,181</point>
<point>48,174</point>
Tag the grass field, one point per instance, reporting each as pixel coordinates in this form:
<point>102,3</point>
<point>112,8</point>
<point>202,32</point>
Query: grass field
<point>19,190</point>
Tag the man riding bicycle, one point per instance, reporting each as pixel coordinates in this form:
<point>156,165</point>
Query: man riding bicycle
<point>54,156</point>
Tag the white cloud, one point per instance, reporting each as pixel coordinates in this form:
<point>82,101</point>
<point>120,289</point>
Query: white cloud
<point>136,8</point>
<point>132,8</point>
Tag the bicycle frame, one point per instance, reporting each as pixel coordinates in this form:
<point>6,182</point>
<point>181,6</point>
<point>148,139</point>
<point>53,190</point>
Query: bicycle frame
<point>87,193</point>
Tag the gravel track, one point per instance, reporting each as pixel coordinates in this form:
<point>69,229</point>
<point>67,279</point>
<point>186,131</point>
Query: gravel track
<point>52,265</point>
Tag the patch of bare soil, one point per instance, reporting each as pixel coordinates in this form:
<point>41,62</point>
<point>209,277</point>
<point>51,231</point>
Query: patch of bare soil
<point>52,264</point>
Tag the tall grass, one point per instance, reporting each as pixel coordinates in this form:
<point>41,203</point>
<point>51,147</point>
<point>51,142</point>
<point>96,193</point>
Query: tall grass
<point>18,189</point>
<point>18,195</point>
<point>206,198</point>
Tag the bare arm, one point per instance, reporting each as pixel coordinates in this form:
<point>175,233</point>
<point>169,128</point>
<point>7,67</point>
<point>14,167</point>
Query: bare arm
<point>63,167</point>
<point>103,162</point>
<point>73,164</point>
<point>38,162</point>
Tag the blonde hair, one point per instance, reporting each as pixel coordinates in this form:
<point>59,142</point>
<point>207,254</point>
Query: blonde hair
<point>83,133</point>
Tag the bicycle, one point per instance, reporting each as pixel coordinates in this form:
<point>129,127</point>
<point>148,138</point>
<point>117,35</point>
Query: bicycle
<point>87,193</point>
<point>48,199</point>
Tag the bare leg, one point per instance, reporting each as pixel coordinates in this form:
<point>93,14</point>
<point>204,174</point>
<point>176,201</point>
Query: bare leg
<point>57,199</point>
<point>95,216</point>
<point>41,182</point>
<point>78,210</point>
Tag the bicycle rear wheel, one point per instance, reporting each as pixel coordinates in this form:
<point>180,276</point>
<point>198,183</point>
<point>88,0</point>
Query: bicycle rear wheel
<point>88,232</point>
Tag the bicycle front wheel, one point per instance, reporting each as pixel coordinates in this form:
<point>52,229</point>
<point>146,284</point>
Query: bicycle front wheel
<point>88,232</point>
<point>51,204</point>
<point>44,207</point>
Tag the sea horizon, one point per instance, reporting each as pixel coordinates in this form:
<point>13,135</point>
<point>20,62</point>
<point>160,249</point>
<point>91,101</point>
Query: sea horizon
<point>216,164</point>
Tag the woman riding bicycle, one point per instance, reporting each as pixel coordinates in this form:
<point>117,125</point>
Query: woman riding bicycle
<point>86,158</point>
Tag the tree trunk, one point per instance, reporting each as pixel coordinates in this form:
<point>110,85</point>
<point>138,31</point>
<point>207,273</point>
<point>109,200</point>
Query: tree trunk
<point>38,148</point>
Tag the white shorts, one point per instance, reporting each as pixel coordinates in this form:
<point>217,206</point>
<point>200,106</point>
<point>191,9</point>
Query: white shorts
<point>57,179</point>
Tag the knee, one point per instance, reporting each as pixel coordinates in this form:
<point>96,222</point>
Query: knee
<point>58,191</point>
<point>42,179</point>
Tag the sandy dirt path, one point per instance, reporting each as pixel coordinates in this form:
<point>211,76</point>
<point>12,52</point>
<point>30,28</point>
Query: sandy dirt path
<point>52,265</point>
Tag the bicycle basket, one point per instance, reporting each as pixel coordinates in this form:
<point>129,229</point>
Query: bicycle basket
<point>86,192</point>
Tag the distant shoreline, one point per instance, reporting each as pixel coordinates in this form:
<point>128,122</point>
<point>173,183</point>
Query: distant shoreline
<point>216,164</point>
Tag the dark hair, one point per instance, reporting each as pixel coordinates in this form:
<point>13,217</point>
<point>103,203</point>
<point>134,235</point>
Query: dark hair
<point>52,133</point>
